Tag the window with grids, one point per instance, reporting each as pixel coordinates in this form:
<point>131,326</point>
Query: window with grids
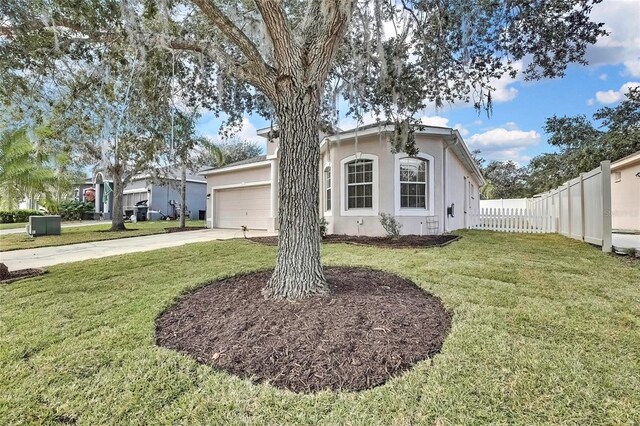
<point>327,186</point>
<point>360,184</point>
<point>413,183</point>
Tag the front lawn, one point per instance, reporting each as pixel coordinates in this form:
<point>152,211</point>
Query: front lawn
<point>85,234</point>
<point>13,225</point>
<point>546,330</point>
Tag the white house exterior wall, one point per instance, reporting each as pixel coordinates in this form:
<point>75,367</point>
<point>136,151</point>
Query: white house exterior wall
<point>459,193</point>
<point>370,221</point>
<point>258,174</point>
<point>625,194</point>
<point>335,154</point>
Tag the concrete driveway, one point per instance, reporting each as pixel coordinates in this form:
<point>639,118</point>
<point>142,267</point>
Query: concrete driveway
<point>47,256</point>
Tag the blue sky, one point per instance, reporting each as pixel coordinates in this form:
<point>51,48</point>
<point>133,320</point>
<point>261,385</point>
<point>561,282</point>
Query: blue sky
<point>515,130</point>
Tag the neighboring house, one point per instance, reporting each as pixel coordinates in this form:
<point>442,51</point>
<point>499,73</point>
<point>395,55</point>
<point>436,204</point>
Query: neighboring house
<point>162,195</point>
<point>359,178</point>
<point>625,194</point>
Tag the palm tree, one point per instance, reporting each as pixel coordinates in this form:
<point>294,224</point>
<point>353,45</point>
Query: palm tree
<point>23,170</point>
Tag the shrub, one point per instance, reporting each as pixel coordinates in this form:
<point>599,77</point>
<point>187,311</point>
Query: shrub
<point>323,225</point>
<point>17,216</point>
<point>391,225</point>
<point>23,215</point>
<point>6,216</point>
<point>74,210</point>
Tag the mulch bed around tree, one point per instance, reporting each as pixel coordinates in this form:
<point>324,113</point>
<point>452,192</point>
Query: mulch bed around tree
<point>21,274</point>
<point>188,228</point>
<point>372,327</point>
<point>405,241</point>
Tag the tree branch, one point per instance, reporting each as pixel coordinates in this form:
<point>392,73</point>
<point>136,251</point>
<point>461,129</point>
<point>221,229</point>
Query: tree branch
<point>275,20</point>
<point>322,36</point>
<point>256,64</point>
<point>240,70</point>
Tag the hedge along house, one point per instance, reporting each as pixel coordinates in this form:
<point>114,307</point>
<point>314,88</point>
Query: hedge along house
<point>433,192</point>
<point>162,194</point>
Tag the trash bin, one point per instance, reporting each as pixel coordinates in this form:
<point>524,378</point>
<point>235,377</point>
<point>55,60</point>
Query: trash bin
<point>141,213</point>
<point>202,214</point>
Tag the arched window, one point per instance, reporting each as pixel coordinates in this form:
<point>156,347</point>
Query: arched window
<point>359,185</point>
<point>414,180</point>
<point>413,183</point>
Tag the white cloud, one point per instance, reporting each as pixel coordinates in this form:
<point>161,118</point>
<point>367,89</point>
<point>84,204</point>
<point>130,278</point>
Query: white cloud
<point>503,92</point>
<point>633,67</point>
<point>603,76</point>
<point>503,138</point>
<point>622,46</point>
<point>464,132</point>
<point>615,96</point>
<point>504,143</point>
<point>435,120</point>
<point>246,132</point>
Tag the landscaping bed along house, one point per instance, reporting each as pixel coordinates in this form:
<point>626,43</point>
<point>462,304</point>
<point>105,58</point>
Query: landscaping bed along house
<point>404,241</point>
<point>372,327</point>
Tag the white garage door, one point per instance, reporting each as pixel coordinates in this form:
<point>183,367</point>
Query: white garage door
<point>250,206</point>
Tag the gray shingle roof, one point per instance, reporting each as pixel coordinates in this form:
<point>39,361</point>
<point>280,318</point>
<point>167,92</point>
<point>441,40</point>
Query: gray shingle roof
<point>252,160</point>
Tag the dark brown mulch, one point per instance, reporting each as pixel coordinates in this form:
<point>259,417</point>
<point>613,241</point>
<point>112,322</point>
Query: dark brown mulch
<point>405,241</point>
<point>372,327</point>
<point>21,274</point>
<point>188,228</point>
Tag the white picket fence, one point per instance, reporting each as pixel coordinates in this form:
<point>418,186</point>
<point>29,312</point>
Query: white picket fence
<point>512,220</point>
<point>580,209</point>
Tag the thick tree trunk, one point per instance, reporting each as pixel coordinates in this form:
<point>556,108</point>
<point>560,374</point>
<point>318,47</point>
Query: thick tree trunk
<point>298,271</point>
<point>117,220</point>
<point>183,195</point>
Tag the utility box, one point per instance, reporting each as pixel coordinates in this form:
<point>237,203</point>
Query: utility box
<point>44,225</point>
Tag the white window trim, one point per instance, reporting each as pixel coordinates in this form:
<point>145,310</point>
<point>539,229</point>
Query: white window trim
<point>344,211</point>
<point>327,212</point>
<point>400,211</point>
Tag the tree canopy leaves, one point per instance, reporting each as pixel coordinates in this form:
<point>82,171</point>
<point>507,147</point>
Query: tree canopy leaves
<point>581,145</point>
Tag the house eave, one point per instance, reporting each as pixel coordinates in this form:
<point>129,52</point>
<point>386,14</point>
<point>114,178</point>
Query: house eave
<point>627,161</point>
<point>235,168</point>
<point>461,150</point>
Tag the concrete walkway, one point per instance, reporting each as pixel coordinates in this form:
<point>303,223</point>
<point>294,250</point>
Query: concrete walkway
<point>22,229</point>
<point>47,256</point>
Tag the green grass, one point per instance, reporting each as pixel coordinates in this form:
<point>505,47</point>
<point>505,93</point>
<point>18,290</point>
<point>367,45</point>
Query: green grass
<point>12,225</point>
<point>546,330</point>
<point>85,234</point>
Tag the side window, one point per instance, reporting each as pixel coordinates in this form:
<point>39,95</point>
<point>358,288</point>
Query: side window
<point>327,190</point>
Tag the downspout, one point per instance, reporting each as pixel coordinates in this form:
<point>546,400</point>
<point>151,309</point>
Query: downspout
<point>444,180</point>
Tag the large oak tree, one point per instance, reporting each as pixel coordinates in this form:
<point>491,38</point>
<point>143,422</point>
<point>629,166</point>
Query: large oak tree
<point>295,61</point>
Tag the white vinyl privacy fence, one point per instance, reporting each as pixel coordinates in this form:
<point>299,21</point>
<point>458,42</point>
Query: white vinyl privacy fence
<point>580,209</point>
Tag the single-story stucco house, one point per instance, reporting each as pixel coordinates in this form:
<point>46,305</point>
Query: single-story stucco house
<point>360,178</point>
<point>625,194</point>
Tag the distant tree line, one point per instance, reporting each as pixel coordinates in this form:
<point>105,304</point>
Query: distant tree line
<point>581,144</point>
